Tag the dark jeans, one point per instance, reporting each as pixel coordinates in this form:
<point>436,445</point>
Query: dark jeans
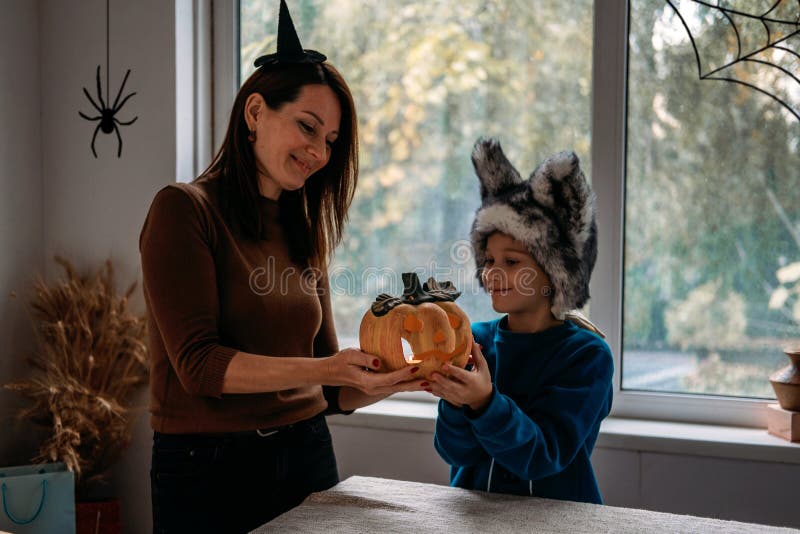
<point>236,482</point>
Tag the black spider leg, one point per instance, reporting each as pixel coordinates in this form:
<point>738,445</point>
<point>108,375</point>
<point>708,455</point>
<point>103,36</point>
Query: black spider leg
<point>117,108</point>
<point>99,90</point>
<point>116,129</point>
<point>119,141</point>
<point>94,104</point>
<point>95,130</point>
<point>98,108</point>
<point>93,138</point>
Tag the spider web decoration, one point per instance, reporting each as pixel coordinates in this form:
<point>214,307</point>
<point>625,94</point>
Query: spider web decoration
<point>108,120</point>
<point>760,49</point>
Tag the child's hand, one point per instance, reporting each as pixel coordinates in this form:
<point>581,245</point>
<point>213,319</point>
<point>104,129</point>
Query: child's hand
<point>461,387</point>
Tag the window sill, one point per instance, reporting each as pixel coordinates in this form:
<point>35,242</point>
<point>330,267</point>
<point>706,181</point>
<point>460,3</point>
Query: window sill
<point>738,443</point>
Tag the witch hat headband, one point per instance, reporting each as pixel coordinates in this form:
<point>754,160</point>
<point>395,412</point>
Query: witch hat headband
<point>290,51</point>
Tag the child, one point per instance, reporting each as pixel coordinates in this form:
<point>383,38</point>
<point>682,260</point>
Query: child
<point>524,419</point>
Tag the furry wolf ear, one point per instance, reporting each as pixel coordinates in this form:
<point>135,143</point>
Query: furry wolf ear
<point>494,170</point>
<point>559,184</point>
<point>552,175</point>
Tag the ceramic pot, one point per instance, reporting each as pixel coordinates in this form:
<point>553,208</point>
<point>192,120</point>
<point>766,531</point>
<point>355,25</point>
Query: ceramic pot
<point>98,517</point>
<point>786,382</point>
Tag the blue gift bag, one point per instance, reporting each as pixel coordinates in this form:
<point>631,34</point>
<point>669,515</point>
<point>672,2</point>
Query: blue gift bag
<point>37,498</point>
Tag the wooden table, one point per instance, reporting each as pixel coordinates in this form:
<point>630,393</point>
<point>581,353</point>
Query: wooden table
<point>377,505</point>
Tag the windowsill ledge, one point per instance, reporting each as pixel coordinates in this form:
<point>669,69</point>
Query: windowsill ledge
<point>738,443</point>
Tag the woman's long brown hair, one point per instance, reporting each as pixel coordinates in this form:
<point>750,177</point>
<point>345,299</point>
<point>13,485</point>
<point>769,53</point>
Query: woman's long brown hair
<point>312,217</point>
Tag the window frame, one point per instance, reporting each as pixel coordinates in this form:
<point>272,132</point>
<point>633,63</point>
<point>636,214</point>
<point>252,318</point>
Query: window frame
<point>206,59</point>
<point>608,135</point>
<point>226,63</point>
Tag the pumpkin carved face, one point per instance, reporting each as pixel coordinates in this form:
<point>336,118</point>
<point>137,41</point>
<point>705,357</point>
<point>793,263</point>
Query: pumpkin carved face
<point>437,330</point>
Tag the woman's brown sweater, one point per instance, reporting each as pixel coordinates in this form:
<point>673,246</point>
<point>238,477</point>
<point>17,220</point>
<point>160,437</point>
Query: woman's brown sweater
<point>211,293</point>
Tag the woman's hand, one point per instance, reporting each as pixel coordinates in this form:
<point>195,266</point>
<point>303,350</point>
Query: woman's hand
<point>358,369</point>
<point>460,387</point>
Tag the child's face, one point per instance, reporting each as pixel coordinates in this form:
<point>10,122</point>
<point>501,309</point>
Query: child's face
<point>514,280</point>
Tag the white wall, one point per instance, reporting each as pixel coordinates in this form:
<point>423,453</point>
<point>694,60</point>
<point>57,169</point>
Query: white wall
<point>55,197</point>
<point>21,231</point>
<point>94,208</point>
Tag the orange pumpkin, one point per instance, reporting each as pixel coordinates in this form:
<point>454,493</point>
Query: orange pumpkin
<point>427,317</point>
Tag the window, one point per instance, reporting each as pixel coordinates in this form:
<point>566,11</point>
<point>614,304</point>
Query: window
<point>712,208</point>
<point>428,79</point>
<point>696,282</point>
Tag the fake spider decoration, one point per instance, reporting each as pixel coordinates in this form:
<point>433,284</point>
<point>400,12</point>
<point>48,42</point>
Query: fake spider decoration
<point>107,117</point>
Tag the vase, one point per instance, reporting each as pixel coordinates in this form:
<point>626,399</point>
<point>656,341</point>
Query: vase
<point>786,382</point>
<point>98,517</point>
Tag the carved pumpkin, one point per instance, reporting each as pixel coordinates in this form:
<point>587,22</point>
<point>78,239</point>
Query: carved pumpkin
<point>437,330</point>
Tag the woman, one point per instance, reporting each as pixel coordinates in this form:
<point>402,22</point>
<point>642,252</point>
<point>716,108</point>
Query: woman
<point>244,353</point>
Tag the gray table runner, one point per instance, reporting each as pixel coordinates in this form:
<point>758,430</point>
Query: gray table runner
<point>377,505</point>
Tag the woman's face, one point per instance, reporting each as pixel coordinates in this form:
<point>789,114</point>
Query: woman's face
<point>512,277</point>
<point>294,141</point>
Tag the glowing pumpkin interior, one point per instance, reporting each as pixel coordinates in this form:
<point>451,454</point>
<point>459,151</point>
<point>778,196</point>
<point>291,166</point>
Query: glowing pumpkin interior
<point>437,332</point>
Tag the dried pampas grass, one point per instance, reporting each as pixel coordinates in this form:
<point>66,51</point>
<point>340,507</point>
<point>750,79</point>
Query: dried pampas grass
<point>91,356</point>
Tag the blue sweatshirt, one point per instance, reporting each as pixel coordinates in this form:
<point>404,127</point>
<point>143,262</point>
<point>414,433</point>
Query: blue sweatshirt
<point>535,437</point>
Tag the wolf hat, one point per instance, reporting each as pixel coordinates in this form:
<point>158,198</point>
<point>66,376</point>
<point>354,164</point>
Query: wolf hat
<point>552,213</point>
